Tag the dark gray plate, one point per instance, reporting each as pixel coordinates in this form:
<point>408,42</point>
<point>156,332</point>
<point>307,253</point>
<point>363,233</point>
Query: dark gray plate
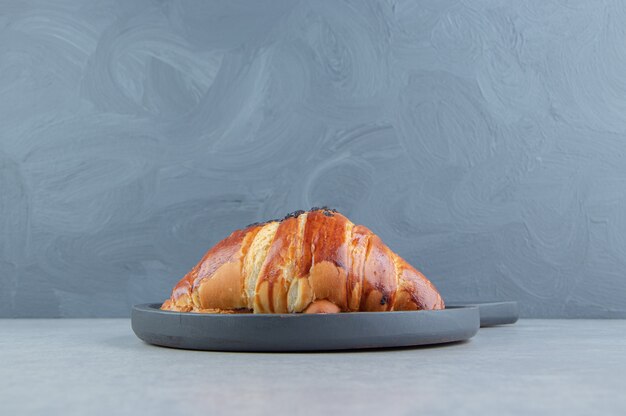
<point>302,332</point>
<point>493,313</point>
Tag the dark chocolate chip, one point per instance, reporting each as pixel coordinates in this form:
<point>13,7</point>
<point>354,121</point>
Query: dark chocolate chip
<point>384,299</point>
<point>325,210</point>
<point>294,214</point>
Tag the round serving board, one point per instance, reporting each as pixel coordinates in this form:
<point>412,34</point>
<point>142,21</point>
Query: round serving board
<point>303,332</point>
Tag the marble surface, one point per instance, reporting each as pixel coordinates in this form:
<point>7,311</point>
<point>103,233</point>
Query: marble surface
<point>483,141</point>
<point>98,366</point>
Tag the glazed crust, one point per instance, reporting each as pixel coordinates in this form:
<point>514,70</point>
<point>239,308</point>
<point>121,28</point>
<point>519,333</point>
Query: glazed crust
<point>313,262</point>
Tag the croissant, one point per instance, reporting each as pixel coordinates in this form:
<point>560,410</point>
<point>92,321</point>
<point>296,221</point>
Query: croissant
<point>313,262</point>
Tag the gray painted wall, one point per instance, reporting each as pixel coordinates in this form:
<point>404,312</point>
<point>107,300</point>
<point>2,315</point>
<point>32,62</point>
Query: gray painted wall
<point>484,141</point>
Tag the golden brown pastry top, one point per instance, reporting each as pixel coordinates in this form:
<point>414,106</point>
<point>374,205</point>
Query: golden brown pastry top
<point>307,262</point>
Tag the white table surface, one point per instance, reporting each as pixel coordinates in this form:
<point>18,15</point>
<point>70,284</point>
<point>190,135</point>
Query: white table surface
<point>98,366</point>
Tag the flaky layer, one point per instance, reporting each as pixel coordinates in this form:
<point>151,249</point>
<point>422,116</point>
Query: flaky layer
<point>309,261</point>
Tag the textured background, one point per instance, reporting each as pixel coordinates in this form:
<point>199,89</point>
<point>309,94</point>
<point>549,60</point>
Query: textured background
<point>484,141</point>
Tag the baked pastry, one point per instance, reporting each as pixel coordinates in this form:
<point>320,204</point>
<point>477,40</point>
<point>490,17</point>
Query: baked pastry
<point>312,262</point>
